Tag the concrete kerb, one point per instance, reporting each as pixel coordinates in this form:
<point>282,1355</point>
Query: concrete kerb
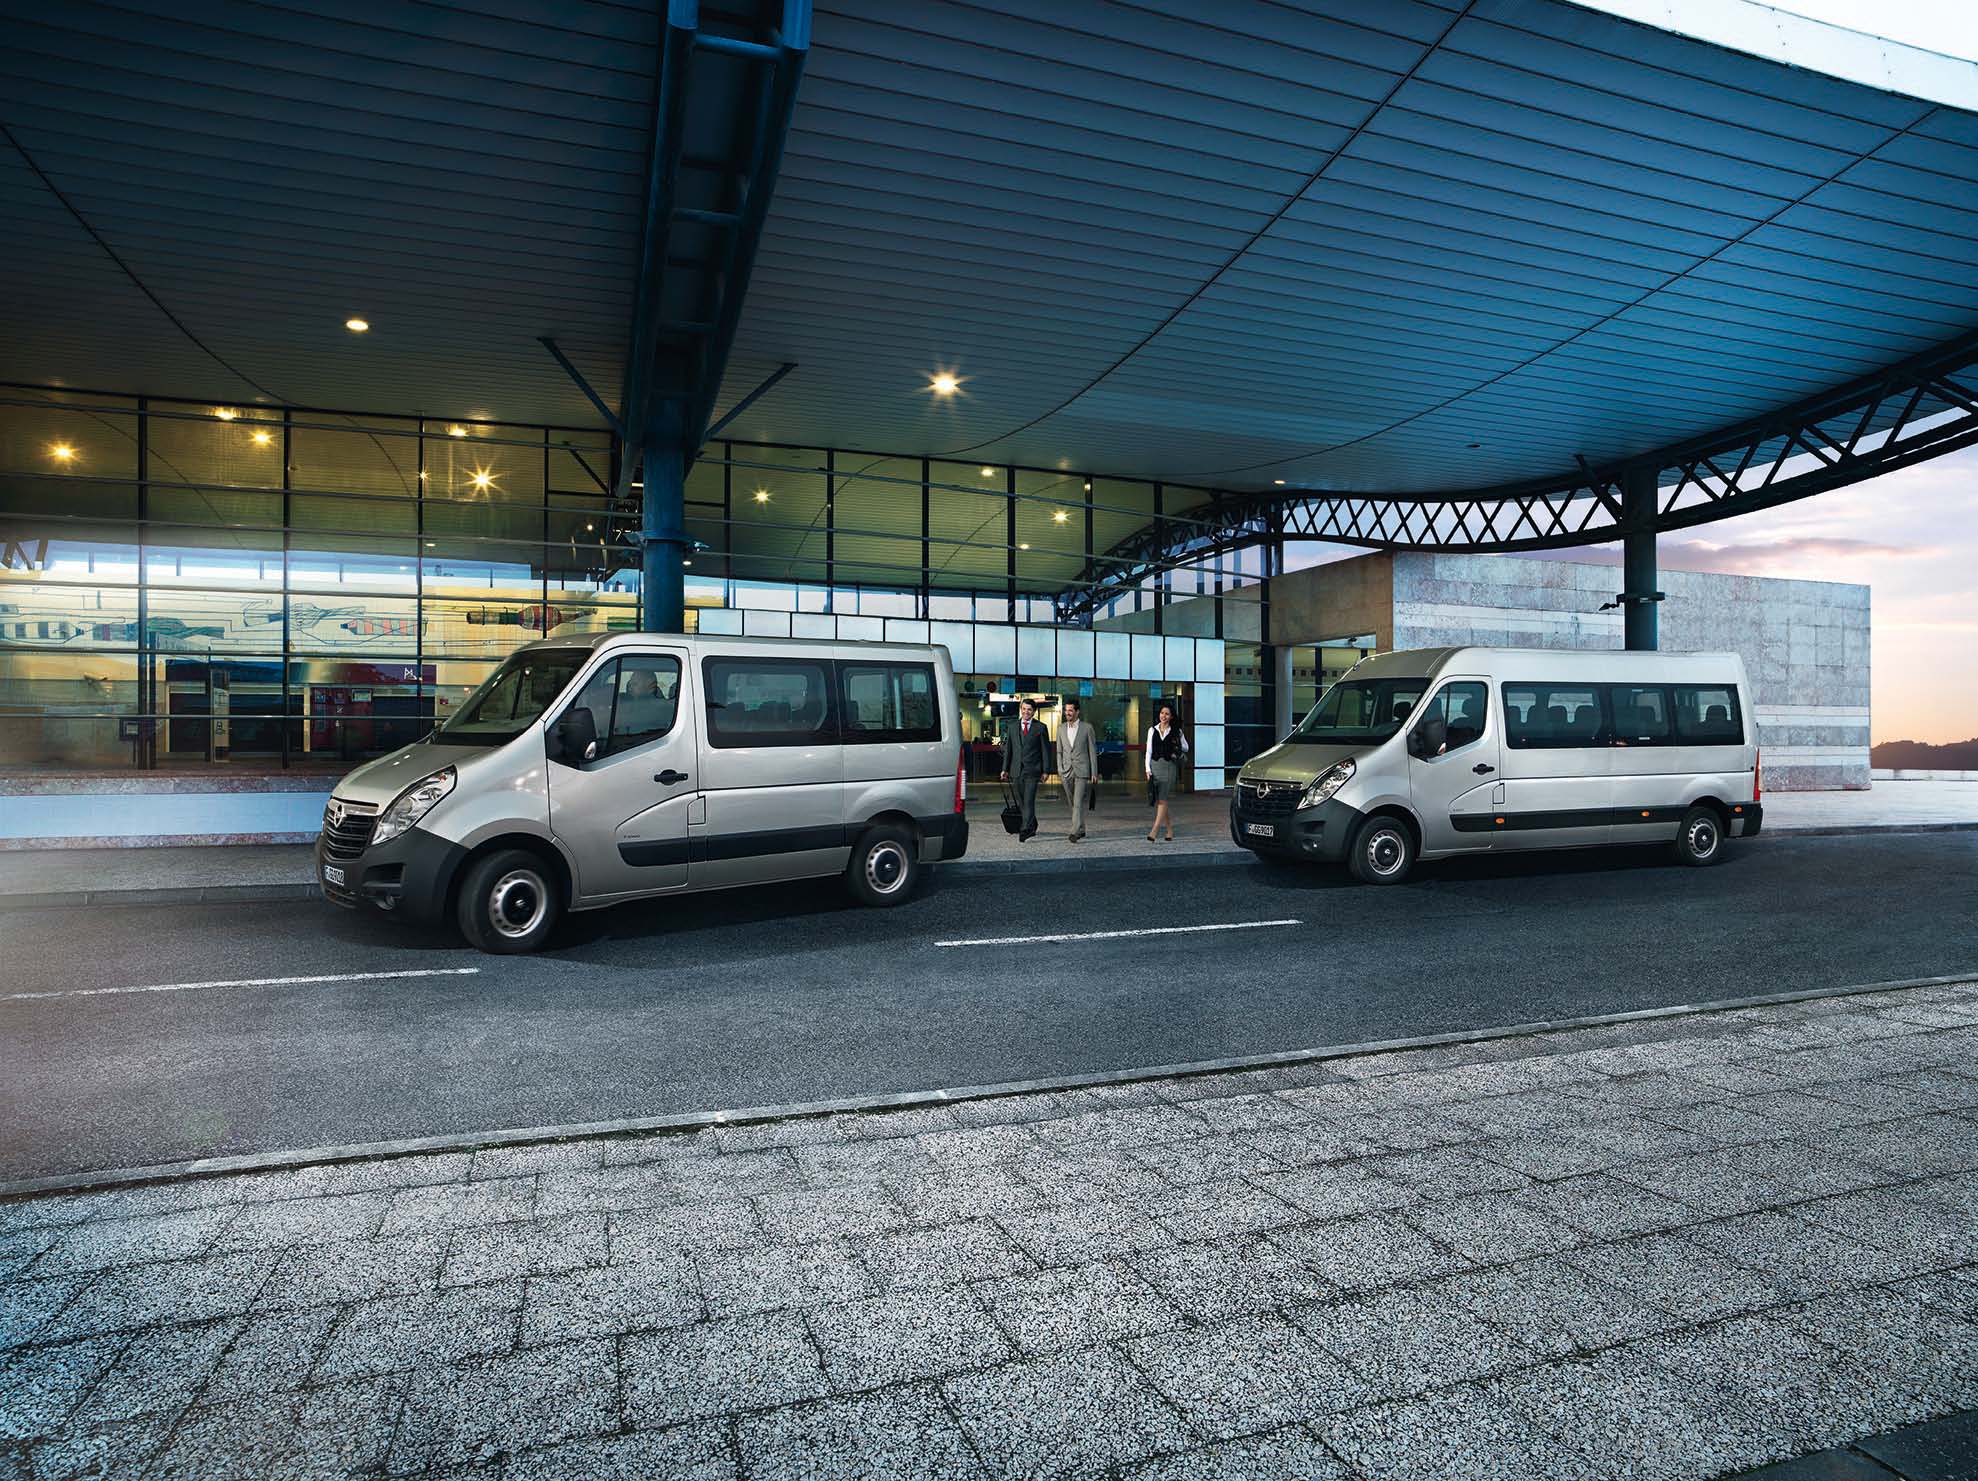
<point>291,1160</point>
<point>257,894</point>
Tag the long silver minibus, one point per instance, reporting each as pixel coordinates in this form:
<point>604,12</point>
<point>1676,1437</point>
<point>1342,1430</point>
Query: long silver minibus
<point>1439,752</point>
<point>591,771</point>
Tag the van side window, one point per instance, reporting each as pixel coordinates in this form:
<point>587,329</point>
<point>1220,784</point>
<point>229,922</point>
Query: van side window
<point>1461,709</point>
<point>888,702</point>
<point>769,702</point>
<point>1708,715</point>
<point>1641,714</point>
<point>647,699</point>
<point>1554,716</point>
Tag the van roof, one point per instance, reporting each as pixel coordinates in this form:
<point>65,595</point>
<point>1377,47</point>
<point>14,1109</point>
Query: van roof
<point>1424,663</point>
<point>725,641</point>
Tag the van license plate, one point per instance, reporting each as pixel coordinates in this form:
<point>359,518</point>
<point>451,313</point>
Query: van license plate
<point>332,874</point>
<point>1261,830</point>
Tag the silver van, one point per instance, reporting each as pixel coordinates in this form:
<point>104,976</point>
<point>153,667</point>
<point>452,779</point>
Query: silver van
<point>592,771</point>
<point>1437,752</point>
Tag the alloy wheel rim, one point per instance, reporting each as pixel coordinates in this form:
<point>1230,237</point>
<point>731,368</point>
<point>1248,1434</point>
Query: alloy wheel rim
<point>517,903</point>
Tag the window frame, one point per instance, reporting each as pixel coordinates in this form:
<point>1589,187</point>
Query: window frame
<point>851,737</point>
<point>828,733</point>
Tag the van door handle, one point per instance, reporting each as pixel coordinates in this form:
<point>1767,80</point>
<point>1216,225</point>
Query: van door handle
<point>669,778</point>
<point>1483,768</point>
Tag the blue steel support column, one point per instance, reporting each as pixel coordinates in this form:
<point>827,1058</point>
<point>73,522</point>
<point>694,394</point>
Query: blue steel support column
<point>1638,593</point>
<point>663,540</point>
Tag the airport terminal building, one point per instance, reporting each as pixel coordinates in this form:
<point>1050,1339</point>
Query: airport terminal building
<point>326,386</point>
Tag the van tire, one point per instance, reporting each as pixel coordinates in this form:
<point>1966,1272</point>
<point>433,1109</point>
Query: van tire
<point>1700,839</point>
<point>509,902</point>
<point>885,867</point>
<point>1382,852</point>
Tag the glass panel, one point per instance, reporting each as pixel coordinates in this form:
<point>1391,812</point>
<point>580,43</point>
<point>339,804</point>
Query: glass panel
<point>814,625</point>
<point>766,624</point>
<point>1208,740</point>
<point>968,524</point>
<point>1115,655</point>
<point>898,631</point>
<point>1075,653</point>
<point>66,710</point>
<point>777,498</point>
<point>862,629</point>
<point>995,650</point>
<point>646,701</point>
<point>1147,657</point>
<point>877,513</point>
<point>69,593</point>
<point>1050,530</point>
<point>1037,651</point>
<point>959,639</point>
<point>721,621</point>
<point>1209,703</point>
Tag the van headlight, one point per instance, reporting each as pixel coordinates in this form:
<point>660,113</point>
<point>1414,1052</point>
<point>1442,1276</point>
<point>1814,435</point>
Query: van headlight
<point>1325,786</point>
<point>412,804</point>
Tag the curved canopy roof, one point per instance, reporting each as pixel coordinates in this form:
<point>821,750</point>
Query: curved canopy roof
<point>1418,245</point>
<point>1379,245</point>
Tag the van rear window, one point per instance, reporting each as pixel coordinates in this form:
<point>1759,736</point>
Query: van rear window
<point>1708,715</point>
<point>1578,716</point>
<point>883,702</point>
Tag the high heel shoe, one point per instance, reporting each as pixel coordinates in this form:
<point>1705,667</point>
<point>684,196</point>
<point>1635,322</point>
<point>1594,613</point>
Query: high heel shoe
<point>1152,839</point>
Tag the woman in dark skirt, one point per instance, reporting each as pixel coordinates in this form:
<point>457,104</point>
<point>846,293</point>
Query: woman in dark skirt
<point>1167,748</point>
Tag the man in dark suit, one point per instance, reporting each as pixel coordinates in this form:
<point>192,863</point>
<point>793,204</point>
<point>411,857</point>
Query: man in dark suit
<point>1026,762</point>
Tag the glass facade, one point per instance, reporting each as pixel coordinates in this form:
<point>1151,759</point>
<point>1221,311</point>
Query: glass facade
<point>187,584</point>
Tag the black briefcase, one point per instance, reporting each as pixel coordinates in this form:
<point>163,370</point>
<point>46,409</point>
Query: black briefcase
<point>1012,814</point>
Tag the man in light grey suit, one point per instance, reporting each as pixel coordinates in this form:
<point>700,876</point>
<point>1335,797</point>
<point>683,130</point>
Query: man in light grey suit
<point>1078,765</point>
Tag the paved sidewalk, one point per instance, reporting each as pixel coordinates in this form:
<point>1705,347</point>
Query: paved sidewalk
<point>1664,1248</point>
<point>1117,838</point>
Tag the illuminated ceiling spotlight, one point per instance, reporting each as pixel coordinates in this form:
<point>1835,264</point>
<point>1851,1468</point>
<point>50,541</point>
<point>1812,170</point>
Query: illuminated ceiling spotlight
<point>1022,546</point>
<point>1059,516</point>
<point>1278,481</point>
<point>62,452</point>
<point>424,475</point>
<point>482,479</point>
<point>263,438</point>
<point>357,326</point>
<point>988,472</point>
<point>456,430</point>
<point>944,384</point>
<point>589,527</point>
<point>762,496</point>
<point>1088,485</point>
<point>225,413</point>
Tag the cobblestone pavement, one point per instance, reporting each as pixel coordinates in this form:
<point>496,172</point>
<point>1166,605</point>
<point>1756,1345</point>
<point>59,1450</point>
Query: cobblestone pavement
<point>1674,1248</point>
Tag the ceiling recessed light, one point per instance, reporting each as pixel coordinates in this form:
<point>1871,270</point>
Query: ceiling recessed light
<point>1088,485</point>
<point>262,439</point>
<point>431,543</point>
<point>944,384</point>
<point>1059,516</point>
<point>225,413</point>
<point>1022,547</point>
<point>456,430</point>
<point>61,452</point>
<point>1278,481</point>
<point>762,496</point>
<point>482,479</point>
<point>590,527</point>
<point>357,326</point>
<point>988,472</point>
<point>423,475</point>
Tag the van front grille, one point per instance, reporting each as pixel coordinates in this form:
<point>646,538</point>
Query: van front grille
<point>1268,799</point>
<point>347,827</point>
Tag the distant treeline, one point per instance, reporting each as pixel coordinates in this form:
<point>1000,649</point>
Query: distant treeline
<point>1919,756</point>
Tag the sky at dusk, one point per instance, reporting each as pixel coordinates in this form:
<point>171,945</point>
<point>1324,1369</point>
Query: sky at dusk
<point>1911,536</point>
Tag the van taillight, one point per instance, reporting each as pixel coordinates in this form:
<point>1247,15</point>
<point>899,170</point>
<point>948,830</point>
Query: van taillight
<point>961,780</point>
<point>1757,770</point>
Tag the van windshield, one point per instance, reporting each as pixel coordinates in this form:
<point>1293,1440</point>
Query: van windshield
<point>513,697</point>
<point>1360,710</point>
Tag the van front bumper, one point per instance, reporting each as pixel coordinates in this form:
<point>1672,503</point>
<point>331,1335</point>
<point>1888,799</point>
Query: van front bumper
<point>411,875</point>
<point>1320,833</point>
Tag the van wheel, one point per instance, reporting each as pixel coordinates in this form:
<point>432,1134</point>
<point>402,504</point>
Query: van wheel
<point>509,902</point>
<point>1700,840</point>
<point>885,867</point>
<point>1383,851</point>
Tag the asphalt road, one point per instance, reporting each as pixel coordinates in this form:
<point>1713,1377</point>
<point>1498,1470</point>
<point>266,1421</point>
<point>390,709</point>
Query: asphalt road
<point>790,994</point>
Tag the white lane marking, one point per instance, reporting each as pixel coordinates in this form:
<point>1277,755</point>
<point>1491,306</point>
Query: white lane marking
<point>1235,925</point>
<point>93,992</point>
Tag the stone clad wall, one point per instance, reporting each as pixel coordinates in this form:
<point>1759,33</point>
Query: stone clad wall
<point>1804,643</point>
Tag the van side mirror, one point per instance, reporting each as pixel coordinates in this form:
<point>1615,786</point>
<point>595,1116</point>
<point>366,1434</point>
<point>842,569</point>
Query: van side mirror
<point>576,736</point>
<point>1428,738</point>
